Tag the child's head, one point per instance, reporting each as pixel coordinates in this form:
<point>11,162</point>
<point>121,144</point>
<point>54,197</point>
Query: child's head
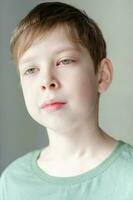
<point>61,56</point>
<point>46,16</point>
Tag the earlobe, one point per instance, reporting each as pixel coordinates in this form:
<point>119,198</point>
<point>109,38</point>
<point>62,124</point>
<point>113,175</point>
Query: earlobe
<point>105,73</point>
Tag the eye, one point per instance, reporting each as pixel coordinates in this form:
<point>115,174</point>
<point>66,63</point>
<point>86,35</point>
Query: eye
<point>66,61</point>
<point>31,71</point>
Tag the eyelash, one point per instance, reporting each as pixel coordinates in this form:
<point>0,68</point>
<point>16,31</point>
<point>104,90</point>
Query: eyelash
<point>70,60</point>
<point>27,71</point>
<point>33,68</point>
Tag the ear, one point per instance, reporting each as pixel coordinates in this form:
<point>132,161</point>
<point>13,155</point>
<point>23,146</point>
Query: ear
<point>105,74</point>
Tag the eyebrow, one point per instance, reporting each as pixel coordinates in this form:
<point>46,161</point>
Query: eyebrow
<point>26,60</point>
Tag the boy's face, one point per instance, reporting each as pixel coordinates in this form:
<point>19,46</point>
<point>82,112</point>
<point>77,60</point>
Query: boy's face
<point>56,69</point>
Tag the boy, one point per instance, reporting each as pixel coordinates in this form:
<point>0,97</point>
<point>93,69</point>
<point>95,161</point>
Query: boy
<point>61,57</point>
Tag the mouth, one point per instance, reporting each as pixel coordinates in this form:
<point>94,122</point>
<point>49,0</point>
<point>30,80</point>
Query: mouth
<point>53,106</point>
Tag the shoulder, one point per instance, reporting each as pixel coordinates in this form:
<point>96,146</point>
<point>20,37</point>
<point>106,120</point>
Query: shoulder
<point>124,162</point>
<point>15,174</point>
<point>127,152</point>
<point>19,166</point>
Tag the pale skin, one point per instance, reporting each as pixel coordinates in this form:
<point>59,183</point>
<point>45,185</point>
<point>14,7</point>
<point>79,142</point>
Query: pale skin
<point>76,142</point>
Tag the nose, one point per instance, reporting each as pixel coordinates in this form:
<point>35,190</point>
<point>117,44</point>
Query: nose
<point>49,84</point>
<point>48,78</point>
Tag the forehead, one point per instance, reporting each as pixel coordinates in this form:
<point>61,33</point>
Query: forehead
<point>53,42</point>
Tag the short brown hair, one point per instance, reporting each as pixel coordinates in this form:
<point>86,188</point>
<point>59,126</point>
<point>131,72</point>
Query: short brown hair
<point>48,15</point>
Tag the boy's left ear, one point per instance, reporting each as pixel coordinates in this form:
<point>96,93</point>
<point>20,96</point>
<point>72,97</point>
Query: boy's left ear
<point>105,74</point>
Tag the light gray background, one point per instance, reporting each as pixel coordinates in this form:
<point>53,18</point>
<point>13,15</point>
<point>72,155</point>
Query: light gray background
<point>19,134</point>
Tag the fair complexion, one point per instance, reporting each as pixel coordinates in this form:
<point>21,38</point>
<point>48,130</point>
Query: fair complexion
<point>56,68</point>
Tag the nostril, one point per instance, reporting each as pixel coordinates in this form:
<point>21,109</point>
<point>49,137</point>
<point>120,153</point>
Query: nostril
<point>43,87</point>
<point>53,85</point>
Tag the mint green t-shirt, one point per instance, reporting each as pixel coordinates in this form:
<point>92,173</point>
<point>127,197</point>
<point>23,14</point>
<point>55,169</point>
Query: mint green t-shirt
<point>110,180</point>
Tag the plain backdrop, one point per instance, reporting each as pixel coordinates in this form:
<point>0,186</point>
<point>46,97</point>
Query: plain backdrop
<point>19,134</point>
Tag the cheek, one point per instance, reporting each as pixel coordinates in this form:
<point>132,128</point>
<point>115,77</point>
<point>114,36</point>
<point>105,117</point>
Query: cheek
<point>86,93</point>
<point>84,86</point>
<point>28,96</point>
<point>85,96</point>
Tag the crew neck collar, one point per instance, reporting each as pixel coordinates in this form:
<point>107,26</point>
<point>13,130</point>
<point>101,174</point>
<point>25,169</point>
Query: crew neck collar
<point>78,178</point>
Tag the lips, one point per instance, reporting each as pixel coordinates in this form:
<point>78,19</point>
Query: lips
<point>52,103</point>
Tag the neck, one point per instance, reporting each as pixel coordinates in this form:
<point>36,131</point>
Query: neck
<point>76,143</point>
